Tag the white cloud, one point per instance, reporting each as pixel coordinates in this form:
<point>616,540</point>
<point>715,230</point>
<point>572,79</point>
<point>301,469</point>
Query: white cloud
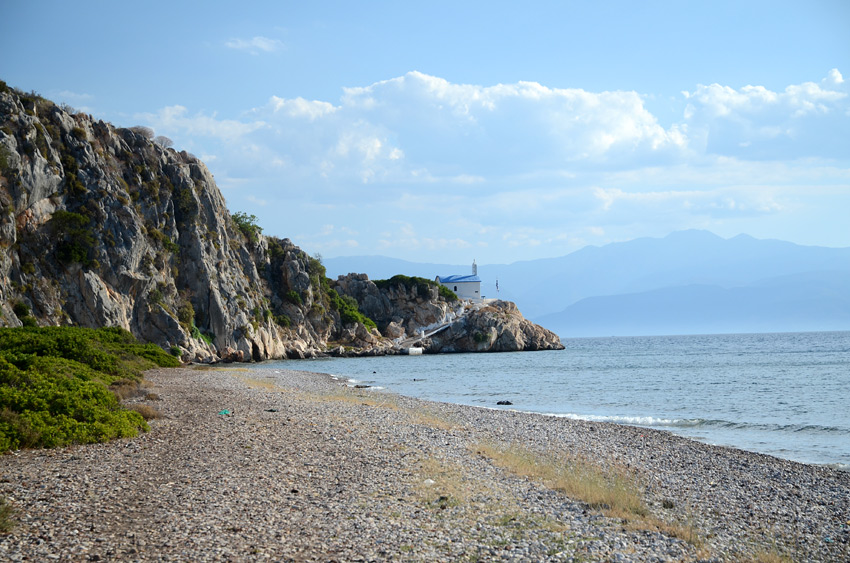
<point>255,45</point>
<point>834,77</point>
<point>176,118</point>
<point>520,165</point>
<point>807,119</point>
<point>299,107</point>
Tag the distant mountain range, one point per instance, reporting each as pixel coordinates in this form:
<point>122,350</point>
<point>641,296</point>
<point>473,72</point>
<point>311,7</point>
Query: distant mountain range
<point>687,282</point>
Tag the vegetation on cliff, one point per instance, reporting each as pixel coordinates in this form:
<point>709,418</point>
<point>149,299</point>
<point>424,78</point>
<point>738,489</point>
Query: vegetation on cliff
<point>422,286</point>
<point>55,384</point>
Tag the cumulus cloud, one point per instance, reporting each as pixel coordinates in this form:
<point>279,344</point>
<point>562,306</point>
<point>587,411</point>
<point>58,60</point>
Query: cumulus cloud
<point>255,45</point>
<point>177,118</point>
<point>807,119</point>
<point>472,166</point>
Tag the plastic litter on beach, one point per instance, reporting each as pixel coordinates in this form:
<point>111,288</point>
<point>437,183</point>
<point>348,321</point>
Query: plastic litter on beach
<point>224,412</point>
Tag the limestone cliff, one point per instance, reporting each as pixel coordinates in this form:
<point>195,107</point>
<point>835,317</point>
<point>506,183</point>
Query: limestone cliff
<point>102,226</point>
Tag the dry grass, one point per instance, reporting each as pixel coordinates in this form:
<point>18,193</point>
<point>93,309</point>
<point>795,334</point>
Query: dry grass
<point>147,411</point>
<point>444,483</point>
<point>125,389</point>
<point>770,556</point>
<point>8,516</point>
<point>611,490</point>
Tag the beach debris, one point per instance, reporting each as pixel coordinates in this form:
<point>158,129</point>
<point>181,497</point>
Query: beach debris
<point>224,412</point>
<point>428,482</point>
<point>362,386</point>
<point>271,410</point>
<point>504,403</point>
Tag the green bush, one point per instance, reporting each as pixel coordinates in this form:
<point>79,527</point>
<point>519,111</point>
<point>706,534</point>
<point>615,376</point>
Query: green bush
<point>447,293</point>
<point>54,384</point>
<point>422,286</point>
<point>74,234</point>
<point>348,309</point>
<point>293,297</point>
<point>21,309</point>
<point>247,225</point>
<point>72,182</point>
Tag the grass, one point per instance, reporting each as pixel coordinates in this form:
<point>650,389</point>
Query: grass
<point>8,516</point>
<point>612,490</point>
<point>148,412</point>
<point>770,556</point>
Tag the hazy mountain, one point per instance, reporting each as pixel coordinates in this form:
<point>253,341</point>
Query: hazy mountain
<point>735,274</point>
<point>800,302</point>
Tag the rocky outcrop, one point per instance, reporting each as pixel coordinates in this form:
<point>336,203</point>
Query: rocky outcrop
<point>405,308</point>
<point>400,306</point>
<point>497,326</point>
<point>102,226</point>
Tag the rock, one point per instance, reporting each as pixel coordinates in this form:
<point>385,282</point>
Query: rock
<point>504,403</point>
<point>496,327</point>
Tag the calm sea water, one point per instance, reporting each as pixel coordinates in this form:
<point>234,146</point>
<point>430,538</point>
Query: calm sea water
<point>786,395</point>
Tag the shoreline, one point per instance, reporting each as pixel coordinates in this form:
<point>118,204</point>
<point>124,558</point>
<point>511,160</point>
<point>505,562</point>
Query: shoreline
<point>304,468</point>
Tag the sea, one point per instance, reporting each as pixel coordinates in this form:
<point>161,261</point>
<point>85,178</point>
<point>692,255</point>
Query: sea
<point>783,394</point>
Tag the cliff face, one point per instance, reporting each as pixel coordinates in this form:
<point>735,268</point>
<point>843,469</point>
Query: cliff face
<point>101,226</point>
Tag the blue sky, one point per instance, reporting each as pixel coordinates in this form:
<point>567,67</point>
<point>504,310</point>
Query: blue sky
<point>500,131</point>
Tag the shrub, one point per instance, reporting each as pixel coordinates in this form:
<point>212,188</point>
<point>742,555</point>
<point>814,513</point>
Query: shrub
<point>54,384</point>
<point>447,293</point>
<point>186,313</point>
<point>275,248</point>
<point>480,337</point>
<point>71,169</point>
<point>21,309</point>
<point>75,239</point>
<point>147,411</point>
<point>247,225</point>
<point>293,297</point>
<point>8,514</point>
<point>185,205</point>
<point>348,309</point>
<point>145,132</point>
<point>163,141</point>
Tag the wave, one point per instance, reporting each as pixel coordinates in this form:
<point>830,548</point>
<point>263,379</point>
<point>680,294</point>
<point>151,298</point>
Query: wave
<point>635,420</point>
<point>652,421</point>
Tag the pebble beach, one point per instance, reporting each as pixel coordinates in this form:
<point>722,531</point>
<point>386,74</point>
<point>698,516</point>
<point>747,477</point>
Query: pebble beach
<point>278,465</point>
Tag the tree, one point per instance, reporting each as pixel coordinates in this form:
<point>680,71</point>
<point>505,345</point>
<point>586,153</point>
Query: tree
<point>145,132</point>
<point>163,141</point>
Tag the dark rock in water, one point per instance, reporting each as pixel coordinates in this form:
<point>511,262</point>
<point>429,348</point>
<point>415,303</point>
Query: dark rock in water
<point>504,403</point>
<point>362,386</point>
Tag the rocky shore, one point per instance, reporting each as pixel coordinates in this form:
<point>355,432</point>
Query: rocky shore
<point>274,465</point>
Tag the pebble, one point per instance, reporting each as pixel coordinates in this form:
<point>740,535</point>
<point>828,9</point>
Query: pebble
<point>305,469</point>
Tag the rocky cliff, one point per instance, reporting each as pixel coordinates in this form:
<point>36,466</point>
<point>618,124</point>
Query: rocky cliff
<point>102,226</point>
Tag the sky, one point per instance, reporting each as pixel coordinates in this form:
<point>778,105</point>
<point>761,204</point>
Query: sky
<point>496,131</point>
